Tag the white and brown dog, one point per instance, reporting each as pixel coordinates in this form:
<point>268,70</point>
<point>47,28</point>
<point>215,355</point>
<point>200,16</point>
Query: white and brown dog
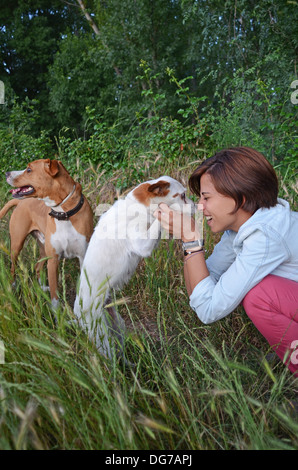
<point>124,235</point>
<point>51,207</point>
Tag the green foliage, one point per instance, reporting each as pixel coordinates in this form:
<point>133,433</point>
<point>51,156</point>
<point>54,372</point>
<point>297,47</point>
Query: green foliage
<point>17,144</point>
<point>78,81</point>
<point>30,33</point>
<point>51,53</point>
<point>105,145</point>
<point>251,113</point>
<point>168,136</point>
<point>259,115</point>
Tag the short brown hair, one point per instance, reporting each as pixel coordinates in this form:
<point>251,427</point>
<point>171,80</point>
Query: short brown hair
<point>241,173</point>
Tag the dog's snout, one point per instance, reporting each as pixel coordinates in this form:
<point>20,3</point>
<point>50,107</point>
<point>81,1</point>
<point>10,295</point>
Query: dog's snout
<point>11,175</point>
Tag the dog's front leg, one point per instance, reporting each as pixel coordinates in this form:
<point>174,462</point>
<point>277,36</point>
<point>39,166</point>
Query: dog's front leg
<point>40,264</point>
<point>144,244</point>
<point>153,233</point>
<point>53,263</point>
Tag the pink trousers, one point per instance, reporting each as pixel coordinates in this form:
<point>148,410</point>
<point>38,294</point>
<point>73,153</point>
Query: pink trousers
<point>272,305</point>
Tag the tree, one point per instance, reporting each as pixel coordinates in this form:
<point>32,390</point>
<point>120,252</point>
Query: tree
<point>78,53</point>
<point>79,79</point>
<point>30,33</point>
<point>124,34</point>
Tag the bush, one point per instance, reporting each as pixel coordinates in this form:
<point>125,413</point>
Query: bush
<point>18,145</point>
<point>258,115</point>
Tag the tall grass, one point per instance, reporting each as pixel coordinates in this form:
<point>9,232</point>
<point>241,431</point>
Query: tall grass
<point>191,386</point>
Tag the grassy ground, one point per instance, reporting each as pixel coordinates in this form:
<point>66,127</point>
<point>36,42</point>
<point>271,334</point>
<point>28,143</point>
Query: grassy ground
<point>191,387</point>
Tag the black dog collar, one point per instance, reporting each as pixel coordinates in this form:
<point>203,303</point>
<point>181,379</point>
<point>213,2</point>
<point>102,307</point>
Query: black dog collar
<point>68,214</point>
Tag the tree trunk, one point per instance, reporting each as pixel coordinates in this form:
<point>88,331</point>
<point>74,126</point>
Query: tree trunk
<point>96,30</point>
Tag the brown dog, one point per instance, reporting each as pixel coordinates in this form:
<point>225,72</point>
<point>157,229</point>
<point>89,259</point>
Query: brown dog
<point>51,207</point>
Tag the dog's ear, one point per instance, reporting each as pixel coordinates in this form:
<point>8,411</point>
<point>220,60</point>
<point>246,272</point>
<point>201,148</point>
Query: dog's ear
<point>62,166</point>
<point>51,167</point>
<point>160,189</point>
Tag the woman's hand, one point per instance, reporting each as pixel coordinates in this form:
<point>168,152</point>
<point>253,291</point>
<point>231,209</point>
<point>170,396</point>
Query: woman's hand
<point>181,226</point>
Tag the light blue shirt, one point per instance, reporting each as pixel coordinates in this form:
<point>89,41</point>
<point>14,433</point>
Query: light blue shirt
<point>267,243</point>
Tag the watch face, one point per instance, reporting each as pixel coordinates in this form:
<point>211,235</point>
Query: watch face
<point>193,244</point>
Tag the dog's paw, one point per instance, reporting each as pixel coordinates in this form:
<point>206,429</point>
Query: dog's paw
<point>43,286</point>
<point>55,304</point>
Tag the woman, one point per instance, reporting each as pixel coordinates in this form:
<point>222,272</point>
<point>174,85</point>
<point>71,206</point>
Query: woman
<point>256,260</point>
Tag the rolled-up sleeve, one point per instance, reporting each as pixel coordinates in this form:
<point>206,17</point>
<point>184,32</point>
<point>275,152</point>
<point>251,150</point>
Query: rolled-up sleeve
<point>259,255</point>
<point>222,257</point>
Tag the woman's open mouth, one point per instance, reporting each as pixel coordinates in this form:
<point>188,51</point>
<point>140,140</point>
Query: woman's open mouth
<point>23,191</point>
<point>208,219</point>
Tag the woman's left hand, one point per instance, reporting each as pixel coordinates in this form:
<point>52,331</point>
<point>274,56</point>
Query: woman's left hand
<point>181,226</point>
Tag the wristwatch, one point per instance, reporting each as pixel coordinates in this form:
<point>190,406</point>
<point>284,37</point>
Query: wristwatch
<point>191,247</point>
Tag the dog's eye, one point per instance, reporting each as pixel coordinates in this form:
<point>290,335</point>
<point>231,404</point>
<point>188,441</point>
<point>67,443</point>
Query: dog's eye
<point>29,170</point>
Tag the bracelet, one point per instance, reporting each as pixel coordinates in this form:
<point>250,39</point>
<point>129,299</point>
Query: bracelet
<point>194,252</point>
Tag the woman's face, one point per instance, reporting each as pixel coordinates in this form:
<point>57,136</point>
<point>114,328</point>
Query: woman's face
<point>217,208</point>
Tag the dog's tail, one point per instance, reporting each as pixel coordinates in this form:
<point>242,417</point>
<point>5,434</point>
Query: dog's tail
<point>8,206</point>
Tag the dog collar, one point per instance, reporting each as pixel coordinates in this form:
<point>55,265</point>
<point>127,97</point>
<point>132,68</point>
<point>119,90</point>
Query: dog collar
<point>68,214</point>
<point>67,197</point>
